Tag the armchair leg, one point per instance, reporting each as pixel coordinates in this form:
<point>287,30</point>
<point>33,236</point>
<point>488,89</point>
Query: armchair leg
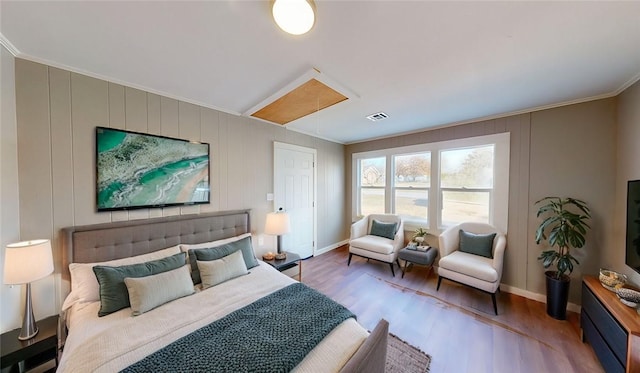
<point>439,281</point>
<point>493,298</point>
<point>392,271</point>
<point>349,261</point>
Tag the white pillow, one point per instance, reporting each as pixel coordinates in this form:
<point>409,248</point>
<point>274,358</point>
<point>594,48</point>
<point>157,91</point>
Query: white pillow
<point>206,245</point>
<point>84,285</point>
<point>147,293</point>
<point>217,271</point>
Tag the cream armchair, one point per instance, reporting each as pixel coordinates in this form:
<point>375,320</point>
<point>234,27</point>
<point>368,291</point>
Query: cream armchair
<point>469,267</point>
<point>373,246</point>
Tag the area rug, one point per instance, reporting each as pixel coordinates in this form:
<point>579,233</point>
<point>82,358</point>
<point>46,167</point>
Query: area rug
<point>405,358</point>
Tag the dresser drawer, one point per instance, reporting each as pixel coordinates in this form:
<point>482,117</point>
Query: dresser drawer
<point>609,329</point>
<point>606,357</point>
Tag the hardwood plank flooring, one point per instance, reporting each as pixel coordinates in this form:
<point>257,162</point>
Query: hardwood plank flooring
<point>455,325</point>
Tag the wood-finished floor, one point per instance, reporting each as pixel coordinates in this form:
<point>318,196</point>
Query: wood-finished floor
<point>455,325</point>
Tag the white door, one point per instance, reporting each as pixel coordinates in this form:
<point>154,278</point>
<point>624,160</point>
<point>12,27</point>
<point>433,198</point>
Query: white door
<point>294,191</point>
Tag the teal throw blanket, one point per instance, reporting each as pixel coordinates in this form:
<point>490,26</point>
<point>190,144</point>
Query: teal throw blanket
<point>273,334</point>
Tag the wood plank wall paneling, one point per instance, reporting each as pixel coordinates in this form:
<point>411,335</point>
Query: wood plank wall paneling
<point>57,114</point>
<point>209,130</point>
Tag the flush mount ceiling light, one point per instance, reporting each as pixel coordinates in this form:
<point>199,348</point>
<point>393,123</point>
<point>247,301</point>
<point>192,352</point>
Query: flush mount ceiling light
<point>295,17</point>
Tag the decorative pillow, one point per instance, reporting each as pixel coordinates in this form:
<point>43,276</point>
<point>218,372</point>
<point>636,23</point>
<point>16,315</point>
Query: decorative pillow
<point>213,253</point>
<point>477,244</point>
<point>147,293</point>
<point>113,291</point>
<point>207,245</point>
<point>386,230</point>
<point>84,285</point>
<point>217,271</point>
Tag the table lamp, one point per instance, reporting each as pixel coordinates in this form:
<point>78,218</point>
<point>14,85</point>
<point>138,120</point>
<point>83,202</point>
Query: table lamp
<point>278,224</point>
<point>25,262</point>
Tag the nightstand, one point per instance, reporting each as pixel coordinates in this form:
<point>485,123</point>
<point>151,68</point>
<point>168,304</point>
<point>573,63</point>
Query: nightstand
<point>292,260</point>
<point>24,355</point>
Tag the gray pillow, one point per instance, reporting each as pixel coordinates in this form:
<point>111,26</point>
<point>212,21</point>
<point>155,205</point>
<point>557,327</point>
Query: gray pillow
<point>147,293</point>
<point>218,252</point>
<point>386,230</point>
<point>217,271</point>
<point>477,244</point>
<point>113,291</point>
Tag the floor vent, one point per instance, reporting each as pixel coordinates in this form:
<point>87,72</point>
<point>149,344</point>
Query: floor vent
<point>377,117</point>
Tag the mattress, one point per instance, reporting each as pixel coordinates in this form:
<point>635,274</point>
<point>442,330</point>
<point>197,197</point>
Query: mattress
<point>113,342</point>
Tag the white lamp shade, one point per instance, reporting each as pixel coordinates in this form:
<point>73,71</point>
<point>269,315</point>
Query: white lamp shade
<point>295,17</point>
<point>277,223</point>
<point>27,261</point>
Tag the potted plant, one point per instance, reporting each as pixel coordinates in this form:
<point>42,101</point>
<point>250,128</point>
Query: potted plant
<point>564,227</point>
<point>419,235</point>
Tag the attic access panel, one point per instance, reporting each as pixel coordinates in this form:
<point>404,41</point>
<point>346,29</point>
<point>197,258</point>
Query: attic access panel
<point>308,98</point>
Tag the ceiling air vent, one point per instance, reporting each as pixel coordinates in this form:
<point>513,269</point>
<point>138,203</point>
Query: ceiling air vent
<point>377,117</point>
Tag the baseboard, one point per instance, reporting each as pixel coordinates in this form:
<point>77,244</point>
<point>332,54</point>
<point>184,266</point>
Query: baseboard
<point>542,298</point>
<point>326,249</point>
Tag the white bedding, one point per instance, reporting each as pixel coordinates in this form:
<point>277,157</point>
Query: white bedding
<point>113,342</point>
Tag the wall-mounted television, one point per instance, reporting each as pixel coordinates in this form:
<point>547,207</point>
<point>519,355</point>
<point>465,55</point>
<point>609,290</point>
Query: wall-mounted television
<point>137,170</point>
<point>632,258</point>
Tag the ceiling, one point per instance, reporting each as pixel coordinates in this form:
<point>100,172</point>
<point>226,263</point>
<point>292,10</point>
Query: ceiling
<point>425,64</point>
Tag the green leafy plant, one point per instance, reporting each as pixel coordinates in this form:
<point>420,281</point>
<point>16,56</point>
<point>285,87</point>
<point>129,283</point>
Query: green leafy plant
<point>565,221</point>
<point>420,232</point>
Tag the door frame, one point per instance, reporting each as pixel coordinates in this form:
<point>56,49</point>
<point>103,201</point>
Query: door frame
<point>314,153</point>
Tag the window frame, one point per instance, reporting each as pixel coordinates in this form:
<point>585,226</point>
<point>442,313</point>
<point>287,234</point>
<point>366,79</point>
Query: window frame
<point>499,195</point>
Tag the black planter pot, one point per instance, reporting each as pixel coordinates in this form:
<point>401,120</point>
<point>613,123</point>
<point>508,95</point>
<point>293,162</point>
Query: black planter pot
<point>557,295</point>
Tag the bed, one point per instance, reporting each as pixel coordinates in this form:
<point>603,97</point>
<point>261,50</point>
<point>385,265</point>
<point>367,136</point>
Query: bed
<point>175,329</point>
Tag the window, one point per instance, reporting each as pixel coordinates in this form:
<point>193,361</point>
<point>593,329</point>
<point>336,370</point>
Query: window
<point>411,182</point>
<point>436,185</point>
<point>372,185</point>
<point>466,184</point>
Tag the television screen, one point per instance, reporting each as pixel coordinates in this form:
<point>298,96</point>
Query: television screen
<point>136,170</point>
<point>633,225</point>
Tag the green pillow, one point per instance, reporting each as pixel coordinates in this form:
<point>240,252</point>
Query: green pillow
<point>477,244</point>
<point>215,253</point>
<point>113,290</point>
<point>386,230</point>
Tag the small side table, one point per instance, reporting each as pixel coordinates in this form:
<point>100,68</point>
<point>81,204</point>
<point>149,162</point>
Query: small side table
<point>28,354</point>
<point>292,260</point>
<point>418,257</point>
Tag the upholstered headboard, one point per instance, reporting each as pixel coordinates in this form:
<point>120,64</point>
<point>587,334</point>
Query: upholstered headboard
<point>101,242</point>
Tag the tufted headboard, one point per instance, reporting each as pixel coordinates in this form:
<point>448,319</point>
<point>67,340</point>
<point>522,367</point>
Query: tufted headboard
<point>101,242</point>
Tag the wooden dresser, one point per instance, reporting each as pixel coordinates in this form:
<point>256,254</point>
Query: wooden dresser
<point>612,329</point>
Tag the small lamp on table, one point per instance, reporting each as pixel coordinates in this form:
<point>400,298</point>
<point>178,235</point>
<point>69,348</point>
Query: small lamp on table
<point>25,262</point>
<point>278,224</point>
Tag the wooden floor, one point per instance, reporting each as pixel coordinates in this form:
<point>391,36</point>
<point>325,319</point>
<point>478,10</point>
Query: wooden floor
<point>455,325</point>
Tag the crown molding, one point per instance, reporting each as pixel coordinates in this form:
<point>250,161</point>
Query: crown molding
<point>9,46</point>
<point>626,85</point>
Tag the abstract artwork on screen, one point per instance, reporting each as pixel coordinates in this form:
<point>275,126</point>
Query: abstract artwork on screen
<point>136,170</point>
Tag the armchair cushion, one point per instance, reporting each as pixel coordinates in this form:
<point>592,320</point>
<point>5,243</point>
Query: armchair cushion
<point>477,244</point>
<point>386,230</point>
<point>373,243</point>
<point>471,265</point>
